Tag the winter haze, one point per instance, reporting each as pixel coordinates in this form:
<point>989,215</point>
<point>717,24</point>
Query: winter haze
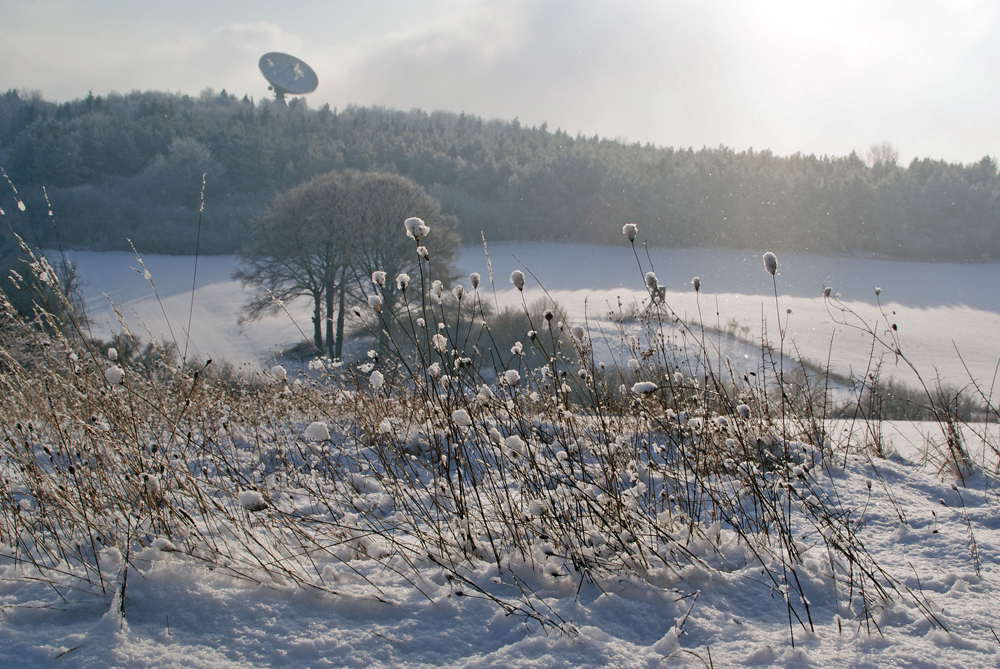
<point>820,77</point>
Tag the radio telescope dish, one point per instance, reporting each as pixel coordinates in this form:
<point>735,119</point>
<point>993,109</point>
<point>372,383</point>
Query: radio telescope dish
<point>287,75</point>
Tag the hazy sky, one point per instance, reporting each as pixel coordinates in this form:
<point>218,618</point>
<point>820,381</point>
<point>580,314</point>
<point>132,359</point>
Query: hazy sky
<point>788,75</point>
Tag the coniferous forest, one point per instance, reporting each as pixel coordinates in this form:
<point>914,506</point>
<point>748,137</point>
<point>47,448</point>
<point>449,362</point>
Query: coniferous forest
<point>121,167</point>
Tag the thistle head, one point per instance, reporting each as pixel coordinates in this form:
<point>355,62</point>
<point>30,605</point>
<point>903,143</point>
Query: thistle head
<point>416,228</point>
<point>770,263</point>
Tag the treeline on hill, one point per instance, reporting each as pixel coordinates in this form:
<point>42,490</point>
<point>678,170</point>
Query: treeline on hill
<point>130,166</point>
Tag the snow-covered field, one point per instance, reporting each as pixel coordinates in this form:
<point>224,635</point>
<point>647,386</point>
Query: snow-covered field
<point>941,309</point>
<point>180,614</point>
<point>940,542</point>
<point>938,307</point>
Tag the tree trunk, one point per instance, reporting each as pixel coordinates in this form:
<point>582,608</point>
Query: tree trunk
<point>340,314</point>
<point>318,320</point>
<point>329,317</point>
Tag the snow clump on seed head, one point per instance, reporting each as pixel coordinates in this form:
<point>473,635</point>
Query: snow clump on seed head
<point>378,277</point>
<point>461,418</point>
<point>515,444</point>
<point>696,282</point>
<point>643,387</point>
<point>422,252</point>
<point>630,230</point>
<point>517,278</point>
<point>770,263</point>
<point>114,375</point>
<point>416,228</point>
<point>458,291</point>
<point>474,278</point>
<point>112,354</point>
<point>375,302</point>
<point>376,380</point>
<point>402,281</point>
<point>151,483</point>
<point>279,372</point>
<point>651,281</point>
<point>511,377</point>
<point>251,500</point>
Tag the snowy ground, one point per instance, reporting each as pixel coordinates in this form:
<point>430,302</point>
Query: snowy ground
<point>938,307</point>
<point>926,532</point>
<point>180,614</point>
<point>113,285</point>
<point>941,309</point>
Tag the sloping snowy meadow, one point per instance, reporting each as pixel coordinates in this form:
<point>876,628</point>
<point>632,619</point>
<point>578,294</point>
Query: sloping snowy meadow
<point>642,492</point>
<point>941,309</point>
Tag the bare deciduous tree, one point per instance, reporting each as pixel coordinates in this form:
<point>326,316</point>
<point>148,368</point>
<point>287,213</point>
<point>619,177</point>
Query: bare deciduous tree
<point>296,248</point>
<point>323,239</point>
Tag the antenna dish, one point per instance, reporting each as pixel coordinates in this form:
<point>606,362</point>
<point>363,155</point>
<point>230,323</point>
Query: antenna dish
<point>287,75</point>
